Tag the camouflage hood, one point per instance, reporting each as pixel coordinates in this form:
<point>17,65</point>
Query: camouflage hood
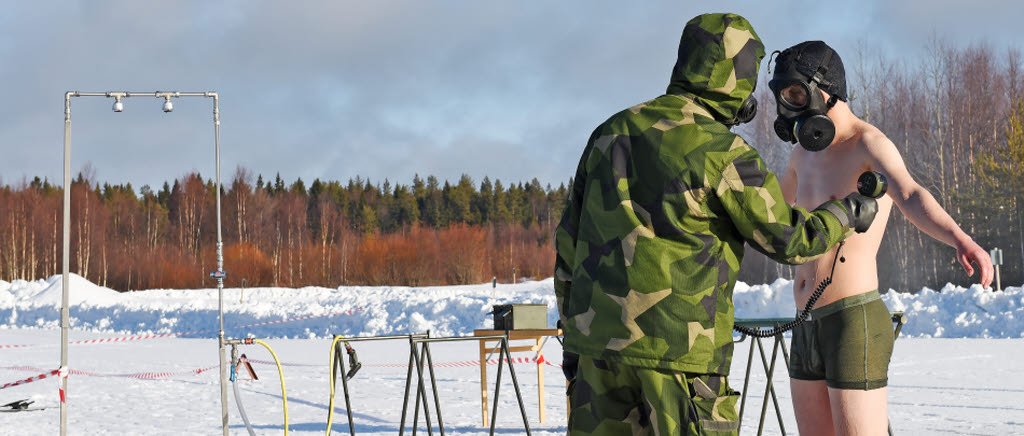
<point>719,55</point>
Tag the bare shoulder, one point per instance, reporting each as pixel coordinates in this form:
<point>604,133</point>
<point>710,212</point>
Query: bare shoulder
<point>871,140</point>
<point>880,152</point>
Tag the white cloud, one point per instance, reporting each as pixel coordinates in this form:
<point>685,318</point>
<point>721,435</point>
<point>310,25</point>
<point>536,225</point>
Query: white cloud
<point>380,89</point>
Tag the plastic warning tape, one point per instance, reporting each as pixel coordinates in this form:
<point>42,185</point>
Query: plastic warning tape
<point>138,375</point>
<point>134,338</point>
<point>167,335</point>
<point>197,371</point>
<point>30,379</point>
<point>147,375</point>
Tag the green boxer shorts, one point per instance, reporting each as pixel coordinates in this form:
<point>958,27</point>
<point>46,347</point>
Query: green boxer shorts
<point>847,343</point>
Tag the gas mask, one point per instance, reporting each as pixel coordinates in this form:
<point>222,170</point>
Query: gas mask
<point>802,108</point>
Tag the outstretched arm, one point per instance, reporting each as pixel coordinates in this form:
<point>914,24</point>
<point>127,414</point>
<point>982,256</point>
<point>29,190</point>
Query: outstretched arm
<point>921,208</point>
<point>788,182</point>
<point>754,201</point>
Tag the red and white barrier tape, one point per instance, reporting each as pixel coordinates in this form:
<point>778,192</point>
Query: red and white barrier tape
<point>149,375</point>
<point>135,338</point>
<point>139,375</point>
<point>167,335</point>
<point>63,373</point>
<point>30,379</point>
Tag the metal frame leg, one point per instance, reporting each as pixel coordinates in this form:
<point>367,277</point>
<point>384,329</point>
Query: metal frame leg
<point>502,356</point>
<point>769,387</point>
<point>421,394</point>
<point>408,384</point>
<point>433,386</point>
<point>339,368</point>
<point>746,380</point>
<point>515,384</point>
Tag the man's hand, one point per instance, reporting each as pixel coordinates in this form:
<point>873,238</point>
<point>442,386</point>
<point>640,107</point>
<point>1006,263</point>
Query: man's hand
<point>968,251</point>
<point>862,211</point>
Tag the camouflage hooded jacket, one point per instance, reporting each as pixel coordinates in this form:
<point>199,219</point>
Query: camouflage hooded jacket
<point>664,198</point>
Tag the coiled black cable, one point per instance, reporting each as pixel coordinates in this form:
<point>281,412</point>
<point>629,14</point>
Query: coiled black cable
<point>806,312</point>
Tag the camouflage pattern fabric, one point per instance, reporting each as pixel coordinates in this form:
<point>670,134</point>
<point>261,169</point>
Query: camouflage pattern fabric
<point>613,399</point>
<point>664,198</point>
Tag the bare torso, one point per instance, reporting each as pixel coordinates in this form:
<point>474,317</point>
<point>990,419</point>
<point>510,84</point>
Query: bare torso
<point>829,175</point>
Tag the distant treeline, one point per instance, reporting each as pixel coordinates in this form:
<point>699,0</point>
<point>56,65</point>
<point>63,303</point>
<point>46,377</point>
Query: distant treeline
<point>279,234</point>
<point>957,117</point>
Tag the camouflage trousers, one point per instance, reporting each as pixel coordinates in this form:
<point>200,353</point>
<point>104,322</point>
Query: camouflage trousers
<point>613,399</point>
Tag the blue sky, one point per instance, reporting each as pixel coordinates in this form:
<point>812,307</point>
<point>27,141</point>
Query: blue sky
<point>387,89</point>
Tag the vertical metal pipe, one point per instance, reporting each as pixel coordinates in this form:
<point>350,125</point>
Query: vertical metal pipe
<point>65,262</point>
<point>220,269</point>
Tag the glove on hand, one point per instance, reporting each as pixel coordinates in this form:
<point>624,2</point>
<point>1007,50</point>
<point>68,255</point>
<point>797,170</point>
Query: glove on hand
<point>862,210</point>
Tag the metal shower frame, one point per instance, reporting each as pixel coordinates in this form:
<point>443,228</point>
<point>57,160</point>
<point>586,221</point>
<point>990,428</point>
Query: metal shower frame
<point>218,274</point>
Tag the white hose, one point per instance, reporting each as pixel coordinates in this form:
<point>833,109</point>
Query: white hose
<point>241,410</point>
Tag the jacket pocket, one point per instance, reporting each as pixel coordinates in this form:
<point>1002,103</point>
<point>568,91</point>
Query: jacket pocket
<point>716,413</point>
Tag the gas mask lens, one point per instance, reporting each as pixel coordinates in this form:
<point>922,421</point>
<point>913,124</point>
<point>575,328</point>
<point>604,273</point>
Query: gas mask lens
<point>794,96</point>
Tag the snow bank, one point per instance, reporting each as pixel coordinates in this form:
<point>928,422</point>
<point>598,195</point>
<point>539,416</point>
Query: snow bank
<point>953,312</point>
<point>444,310</point>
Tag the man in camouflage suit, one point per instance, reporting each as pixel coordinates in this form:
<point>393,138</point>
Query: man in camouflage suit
<point>649,247</point>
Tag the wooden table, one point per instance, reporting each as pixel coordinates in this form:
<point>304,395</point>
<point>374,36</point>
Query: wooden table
<point>486,345</point>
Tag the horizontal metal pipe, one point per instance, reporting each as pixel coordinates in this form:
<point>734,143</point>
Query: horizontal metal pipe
<point>379,338</point>
<point>761,322</point>
<point>159,94</point>
<point>459,338</point>
<point>344,339</point>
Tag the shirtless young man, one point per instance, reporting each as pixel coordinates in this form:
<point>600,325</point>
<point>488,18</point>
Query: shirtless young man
<point>840,356</point>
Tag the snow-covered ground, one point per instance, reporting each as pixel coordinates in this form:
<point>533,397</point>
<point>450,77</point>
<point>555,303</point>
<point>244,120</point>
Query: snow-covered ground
<point>955,369</point>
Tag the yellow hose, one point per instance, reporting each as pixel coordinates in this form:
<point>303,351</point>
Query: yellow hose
<point>284,396</point>
<point>330,378</point>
